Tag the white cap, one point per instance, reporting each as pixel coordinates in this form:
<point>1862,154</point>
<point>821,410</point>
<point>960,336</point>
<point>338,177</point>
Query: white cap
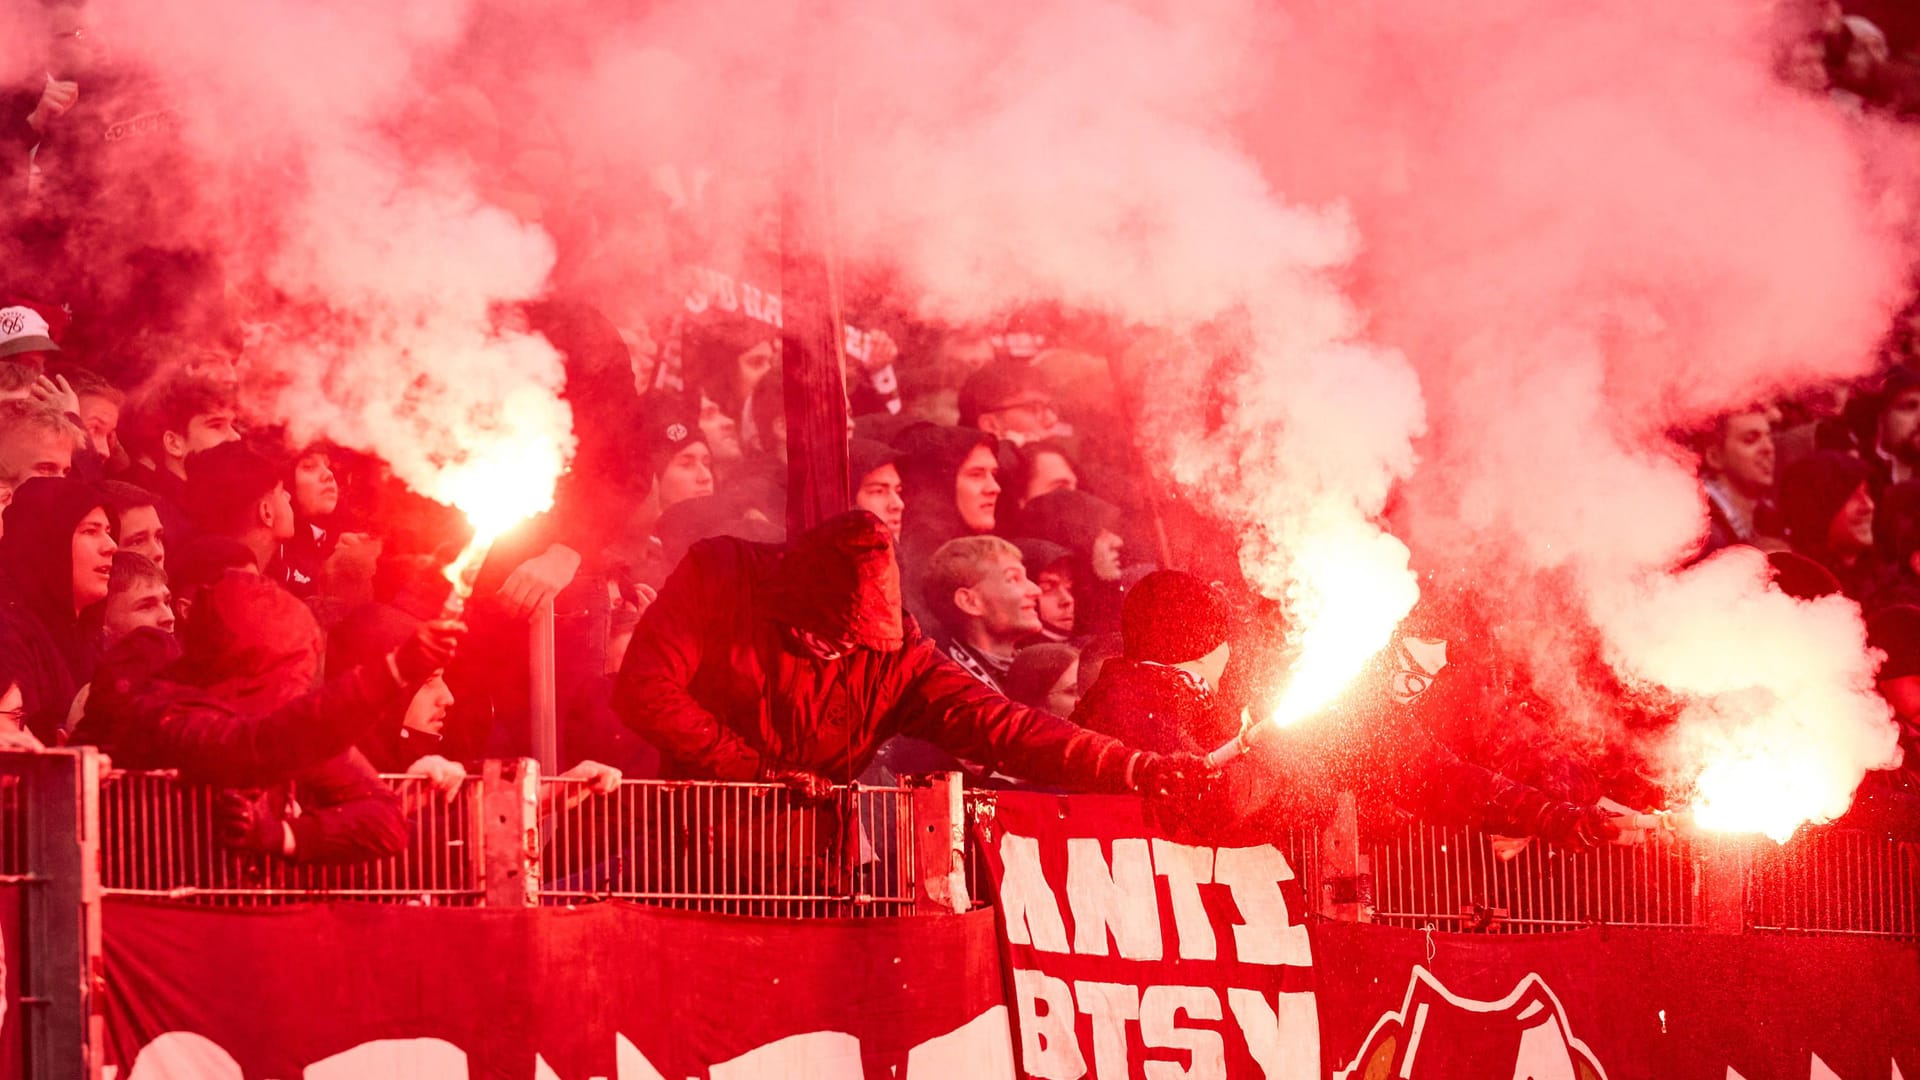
<point>22,329</point>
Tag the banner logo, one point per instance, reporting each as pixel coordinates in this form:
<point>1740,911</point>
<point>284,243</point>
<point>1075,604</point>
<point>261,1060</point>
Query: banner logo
<point>1439,1035</point>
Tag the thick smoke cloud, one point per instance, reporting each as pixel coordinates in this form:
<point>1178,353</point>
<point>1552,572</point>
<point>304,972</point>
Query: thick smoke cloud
<point>1469,262</point>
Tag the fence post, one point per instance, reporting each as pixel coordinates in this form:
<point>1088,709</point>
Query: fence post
<point>510,832</point>
<point>543,711</point>
<point>939,844</point>
<point>59,984</point>
<point>1725,863</point>
<point>1345,883</point>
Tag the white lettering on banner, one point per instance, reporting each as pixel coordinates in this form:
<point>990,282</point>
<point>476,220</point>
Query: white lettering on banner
<point>393,1059</point>
<point>1284,1038</point>
<point>1160,1009</point>
<point>815,1055</point>
<point>1187,868</point>
<point>1026,899</point>
<point>629,1063</point>
<point>1112,1006</point>
<point>1049,1045</point>
<point>980,1049</point>
<point>1266,935</point>
<point>183,1055</point>
<point>1120,898</point>
<point>750,302</point>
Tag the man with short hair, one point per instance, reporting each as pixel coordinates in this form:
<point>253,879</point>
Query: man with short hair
<point>35,440</point>
<point>182,415</point>
<point>978,588</point>
<point>1736,473</point>
<point>1895,453</point>
<point>138,515</point>
<point>99,405</point>
<point>136,597</point>
<point>235,491</point>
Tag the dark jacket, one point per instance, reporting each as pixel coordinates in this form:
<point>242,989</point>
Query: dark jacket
<point>1291,774</point>
<point>52,646</point>
<point>719,685</point>
<point>929,464</point>
<point>144,719</point>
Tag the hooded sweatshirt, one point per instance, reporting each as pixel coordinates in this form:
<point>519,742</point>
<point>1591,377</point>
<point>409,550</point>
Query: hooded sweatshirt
<point>716,678</point>
<point>1074,520</point>
<point>929,464</point>
<point>236,709</point>
<point>38,625</point>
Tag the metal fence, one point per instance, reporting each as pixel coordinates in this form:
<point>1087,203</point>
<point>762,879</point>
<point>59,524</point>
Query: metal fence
<point>160,838</point>
<point>753,849</point>
<point>13,829</point>
<point>1453,879</point>
<point>1836,881</point>
<point>745,849</point>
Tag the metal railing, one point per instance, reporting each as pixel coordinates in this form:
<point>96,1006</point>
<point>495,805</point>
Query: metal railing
<point>1453,879</point>
<point>1836,881</point>
<point>741,848</point>
<point>160,838</point>
<point>753,849</point>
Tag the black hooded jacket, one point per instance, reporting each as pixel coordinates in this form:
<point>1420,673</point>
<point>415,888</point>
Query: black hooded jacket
<point>715,679</point>
<point>38,626</point>
<point>929,465</point>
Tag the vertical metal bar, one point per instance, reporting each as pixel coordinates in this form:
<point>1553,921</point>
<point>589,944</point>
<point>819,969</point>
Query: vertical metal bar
<point>542,706</point>
<point>61,913</point>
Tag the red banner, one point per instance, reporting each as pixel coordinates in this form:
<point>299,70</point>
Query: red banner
<point>12,1018</point>
<point>377,992</point>
<point>1132,955</point>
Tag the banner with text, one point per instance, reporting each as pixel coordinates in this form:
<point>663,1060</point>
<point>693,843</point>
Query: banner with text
<point>1134,954</point>
<point>379,992</point>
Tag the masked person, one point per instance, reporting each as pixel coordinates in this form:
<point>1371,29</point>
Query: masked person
<point>758,663</point>
<point>1163,693</point>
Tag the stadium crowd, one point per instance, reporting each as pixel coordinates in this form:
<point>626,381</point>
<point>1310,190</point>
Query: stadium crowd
<point>1011,594</point>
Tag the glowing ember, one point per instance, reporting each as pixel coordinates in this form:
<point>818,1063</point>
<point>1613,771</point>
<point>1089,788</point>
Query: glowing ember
<point>1349,593</point>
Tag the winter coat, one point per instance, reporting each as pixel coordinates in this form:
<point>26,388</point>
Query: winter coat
<point>144,719</point>
<point>52,646</point>
<point>716,682</point>
<point>1291,774</point>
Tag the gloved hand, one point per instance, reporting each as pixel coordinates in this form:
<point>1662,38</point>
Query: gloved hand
<point>251,822</point>
<point>806,785</point>
<point>1175,776</point>
<point>427,651</point>
<point>1580,828</point>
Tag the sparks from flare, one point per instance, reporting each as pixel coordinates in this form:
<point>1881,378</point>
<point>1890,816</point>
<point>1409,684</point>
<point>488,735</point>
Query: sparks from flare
<point>1754,793</point>
<point>496,490</point>
<point>1347,596</point>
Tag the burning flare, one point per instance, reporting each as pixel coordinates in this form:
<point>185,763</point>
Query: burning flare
<point>1349,593</point>
<point>507,483</point>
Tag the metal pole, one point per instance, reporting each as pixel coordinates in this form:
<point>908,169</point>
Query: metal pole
<point>543,710</point>
<point>64,1034</point>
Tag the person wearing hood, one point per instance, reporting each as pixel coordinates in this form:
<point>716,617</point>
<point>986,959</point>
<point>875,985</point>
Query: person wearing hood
<point>1165,692</point>
<point>877,488</point>
<point>1051,567</point>
<point>56,562</point>
<point>227,701</point>
<point>1827,504</point>
<point>236,709</point>
<point>951,485</point>
<point>794,665</point>
<point>1088,528</point>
